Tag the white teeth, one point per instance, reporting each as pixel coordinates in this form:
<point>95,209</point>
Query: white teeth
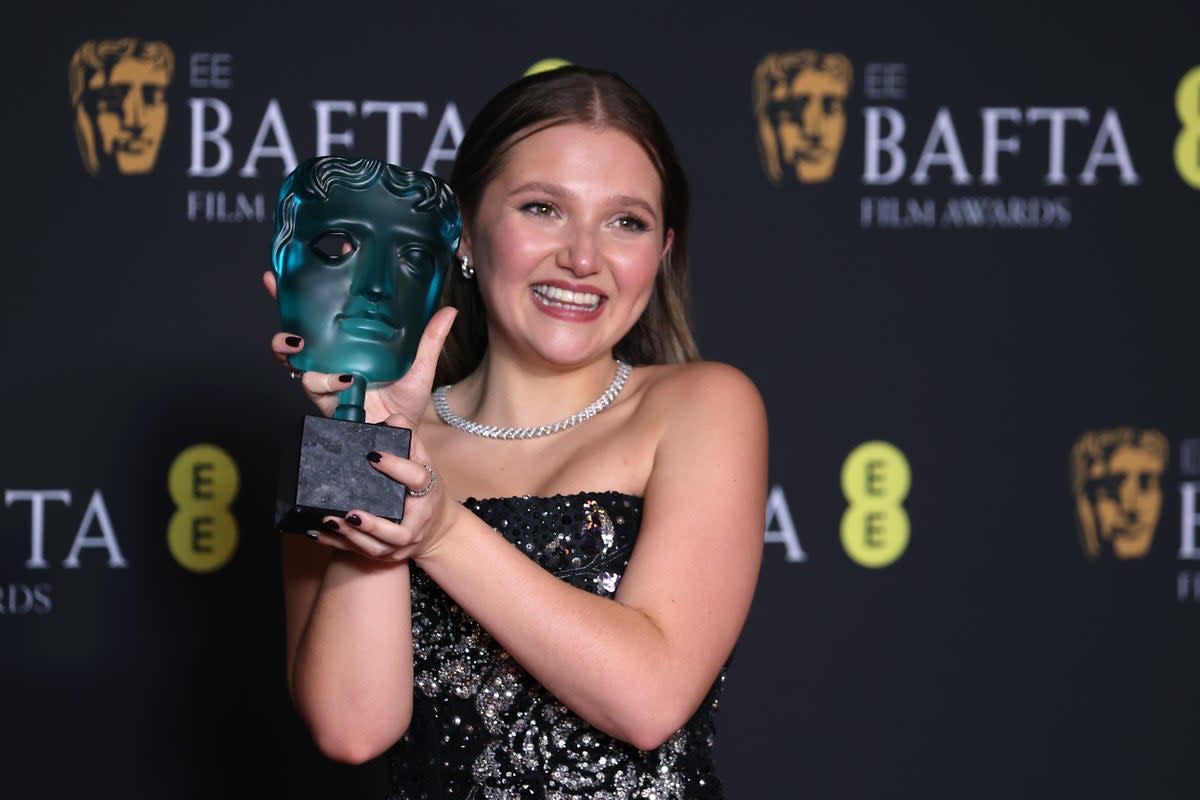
<point>565,298</point>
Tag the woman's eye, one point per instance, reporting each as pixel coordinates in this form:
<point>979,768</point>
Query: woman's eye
<point>334,246</point>
<point>538,209</point>
<point>632,223</point>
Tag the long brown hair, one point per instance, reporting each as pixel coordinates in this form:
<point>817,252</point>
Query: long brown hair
<point>593,97</point>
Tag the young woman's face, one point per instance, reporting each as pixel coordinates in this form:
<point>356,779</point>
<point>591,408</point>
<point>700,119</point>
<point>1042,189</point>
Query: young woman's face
<point>566,241</point>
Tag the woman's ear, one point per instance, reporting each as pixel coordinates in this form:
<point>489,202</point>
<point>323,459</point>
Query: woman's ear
<point>668,240</point>
<point>268,280</point>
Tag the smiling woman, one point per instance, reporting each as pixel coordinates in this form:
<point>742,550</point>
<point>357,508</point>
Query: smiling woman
<point>553,617</point>
<point>569,230</point>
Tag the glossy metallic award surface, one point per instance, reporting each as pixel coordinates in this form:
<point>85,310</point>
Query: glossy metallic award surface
<point>361,251</point>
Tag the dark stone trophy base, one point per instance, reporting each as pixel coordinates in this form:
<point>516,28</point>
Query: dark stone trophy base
<point>331,474</point>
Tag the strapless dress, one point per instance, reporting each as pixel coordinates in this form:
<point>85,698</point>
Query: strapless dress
<point>484,729</point>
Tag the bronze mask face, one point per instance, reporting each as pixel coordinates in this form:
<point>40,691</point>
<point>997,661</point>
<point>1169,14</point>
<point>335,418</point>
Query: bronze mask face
<point>361,251</point>
<point>1117,480</point>
<point>799,103</point>
<point>118,92</point>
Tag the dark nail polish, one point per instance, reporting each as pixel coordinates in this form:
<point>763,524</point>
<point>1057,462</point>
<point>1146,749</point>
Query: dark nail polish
<point>312,535</point>
<point>345,378</point>
<point>293,341</point>
<point>354,519</point>
<point>374,457</point>
<point>330,524</point>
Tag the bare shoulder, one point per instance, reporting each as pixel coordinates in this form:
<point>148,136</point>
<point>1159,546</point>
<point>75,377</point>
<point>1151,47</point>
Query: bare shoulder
<point>682,400</point>
<point>711,451</point>
<point>700,386</point>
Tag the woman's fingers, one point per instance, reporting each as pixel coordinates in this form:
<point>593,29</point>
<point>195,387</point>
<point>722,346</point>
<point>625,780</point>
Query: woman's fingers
<point>340,536</point>
<point>430,347</point>
<point>403,403</point>
<point>379,538</point>
<point>284,346</point>
<point>370,535</point>
<point>325,383</point>
<point>329,538</point>
<point>411,473</point>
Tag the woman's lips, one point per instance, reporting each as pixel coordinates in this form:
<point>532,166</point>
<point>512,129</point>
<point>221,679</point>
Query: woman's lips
<point>566,299</point>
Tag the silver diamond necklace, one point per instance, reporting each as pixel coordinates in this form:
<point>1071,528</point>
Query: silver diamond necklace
<point>493,432</point>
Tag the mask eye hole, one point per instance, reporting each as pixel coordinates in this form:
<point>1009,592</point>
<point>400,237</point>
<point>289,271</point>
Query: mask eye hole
<point>414,261</point>
<point>334,246</point>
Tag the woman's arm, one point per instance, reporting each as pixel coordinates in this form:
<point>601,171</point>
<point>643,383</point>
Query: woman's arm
<point>638,668</point>
<point>349,648</point>
<point>349,619</point>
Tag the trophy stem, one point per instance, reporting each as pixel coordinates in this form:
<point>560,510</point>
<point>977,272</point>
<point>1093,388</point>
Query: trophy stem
<point>350,401</point>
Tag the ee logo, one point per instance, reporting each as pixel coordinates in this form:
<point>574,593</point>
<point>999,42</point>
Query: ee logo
<point>545,65</point>
<point>875,527</point>
<point>202,534</point>
<point>1187,143</point>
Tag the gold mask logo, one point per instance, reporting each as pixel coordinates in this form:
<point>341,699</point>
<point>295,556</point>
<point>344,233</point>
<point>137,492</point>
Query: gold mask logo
<point>118,98</point>
<point>1116,476</point>
<point>800,111</point>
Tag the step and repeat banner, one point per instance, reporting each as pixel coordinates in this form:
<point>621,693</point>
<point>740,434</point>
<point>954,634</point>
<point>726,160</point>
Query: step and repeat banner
<point>956,247</point>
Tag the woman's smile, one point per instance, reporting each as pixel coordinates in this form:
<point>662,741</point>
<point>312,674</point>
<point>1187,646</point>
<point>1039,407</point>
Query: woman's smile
<point>570,231</point>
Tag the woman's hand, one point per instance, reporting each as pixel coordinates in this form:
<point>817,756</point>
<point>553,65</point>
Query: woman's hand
<point>428,514</point>
<point>402,402</point>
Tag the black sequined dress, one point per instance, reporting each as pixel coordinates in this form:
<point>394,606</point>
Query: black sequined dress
<point>484,729</point>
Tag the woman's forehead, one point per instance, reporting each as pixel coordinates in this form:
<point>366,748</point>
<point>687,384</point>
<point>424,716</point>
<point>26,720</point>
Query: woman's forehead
<point>575,153</point>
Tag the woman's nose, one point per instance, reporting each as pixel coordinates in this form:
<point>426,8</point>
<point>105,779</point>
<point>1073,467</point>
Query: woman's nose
<point>580,252</point>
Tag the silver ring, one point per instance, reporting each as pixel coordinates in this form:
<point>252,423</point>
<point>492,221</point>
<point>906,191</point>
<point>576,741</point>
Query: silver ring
<point>429,486</point>
<point>297,374</point>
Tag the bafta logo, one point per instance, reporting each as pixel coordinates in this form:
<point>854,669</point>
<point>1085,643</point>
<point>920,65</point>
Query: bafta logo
<point>1116,476</point>
<point>799,108</point>
<point>118,97</point>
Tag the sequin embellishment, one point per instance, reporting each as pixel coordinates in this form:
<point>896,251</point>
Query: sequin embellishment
<point>484,729</point>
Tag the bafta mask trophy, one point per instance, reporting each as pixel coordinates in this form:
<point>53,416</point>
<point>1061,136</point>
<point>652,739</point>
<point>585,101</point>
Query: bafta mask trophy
<point>361,250</point>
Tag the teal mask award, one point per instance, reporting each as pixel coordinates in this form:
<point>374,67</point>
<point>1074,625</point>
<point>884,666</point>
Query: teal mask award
<point>360,253</point>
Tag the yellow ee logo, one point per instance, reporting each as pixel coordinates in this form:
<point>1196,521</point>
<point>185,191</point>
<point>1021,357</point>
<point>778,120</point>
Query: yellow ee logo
<point>202,534</point>
<point>875,480</point>
<point>1187,143</point>
<point>545,65</point>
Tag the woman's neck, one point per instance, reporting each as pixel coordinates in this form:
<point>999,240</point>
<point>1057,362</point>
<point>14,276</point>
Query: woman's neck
<point>506,392</point>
